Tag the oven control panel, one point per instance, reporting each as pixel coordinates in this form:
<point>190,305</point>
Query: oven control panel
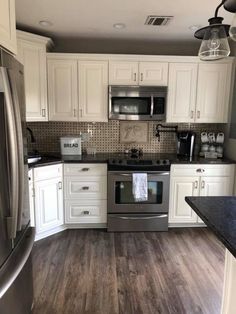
<point>139,164</point>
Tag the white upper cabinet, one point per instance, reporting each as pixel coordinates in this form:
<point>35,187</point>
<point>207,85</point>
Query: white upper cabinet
<point>213,91</point>
<point>199,92</point>
<point>32,54</point>
<point>138,73</point>
<point>182,87</point>
<point>153,73</point>
<point>123,73</point>
<point>93,90</point>
<point>62,90</point>
<point>8,25</point>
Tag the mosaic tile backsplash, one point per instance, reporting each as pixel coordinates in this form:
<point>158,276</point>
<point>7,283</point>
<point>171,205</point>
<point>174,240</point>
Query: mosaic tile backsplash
<point>105,136</point>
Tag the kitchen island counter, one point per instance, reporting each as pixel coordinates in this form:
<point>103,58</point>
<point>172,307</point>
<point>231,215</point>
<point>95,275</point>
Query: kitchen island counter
<point>219,214</point>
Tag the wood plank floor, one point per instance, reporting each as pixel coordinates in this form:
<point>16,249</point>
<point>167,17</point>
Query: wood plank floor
<point>95,272</point>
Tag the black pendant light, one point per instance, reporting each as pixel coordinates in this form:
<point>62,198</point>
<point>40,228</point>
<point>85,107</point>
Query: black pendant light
<point>230,5</point>
<point>214,38</point>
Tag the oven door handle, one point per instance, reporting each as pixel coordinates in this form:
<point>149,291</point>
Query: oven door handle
<point>148,173</point>
<point>143,218</point>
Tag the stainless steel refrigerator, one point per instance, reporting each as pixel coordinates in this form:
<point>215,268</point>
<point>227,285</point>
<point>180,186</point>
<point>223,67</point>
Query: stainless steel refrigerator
<point>16,235</point>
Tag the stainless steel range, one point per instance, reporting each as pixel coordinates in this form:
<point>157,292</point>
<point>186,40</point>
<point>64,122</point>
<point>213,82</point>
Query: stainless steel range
<point>124,213</point>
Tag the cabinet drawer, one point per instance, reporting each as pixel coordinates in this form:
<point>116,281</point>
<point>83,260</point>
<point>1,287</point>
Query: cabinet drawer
<point>47,172</point>
<point>93,211</point>
<point>202,170</point>
<point>85,169</point>
<point>86,187</point>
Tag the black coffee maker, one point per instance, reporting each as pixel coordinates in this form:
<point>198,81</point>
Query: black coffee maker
<point>185,143</point>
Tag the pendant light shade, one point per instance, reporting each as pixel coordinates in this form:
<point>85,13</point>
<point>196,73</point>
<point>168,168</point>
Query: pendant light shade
<point>214,44</point>
<point>214,38</point>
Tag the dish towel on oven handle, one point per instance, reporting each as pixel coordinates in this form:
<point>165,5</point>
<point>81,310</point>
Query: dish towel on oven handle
<point>140,187</point>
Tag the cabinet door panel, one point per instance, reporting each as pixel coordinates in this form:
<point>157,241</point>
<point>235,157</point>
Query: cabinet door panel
<point>8,25</point>
<point>123,73</point>
<point>181,187</point>
<point>93,91</point>
<point>182,86</point>
<point>33,57</point>
<point>216,186</point>
<point>62,90</point>
<point>213,93</point>
<point>153,73</point>
<point>48,204</point>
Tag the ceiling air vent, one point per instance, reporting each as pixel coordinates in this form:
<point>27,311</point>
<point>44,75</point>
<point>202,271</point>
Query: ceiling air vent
<point>158,20</point>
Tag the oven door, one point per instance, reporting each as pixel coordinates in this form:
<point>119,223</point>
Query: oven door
<point>121,200</point>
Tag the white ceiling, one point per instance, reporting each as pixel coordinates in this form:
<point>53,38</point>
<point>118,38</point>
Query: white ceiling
<point>95,18</point>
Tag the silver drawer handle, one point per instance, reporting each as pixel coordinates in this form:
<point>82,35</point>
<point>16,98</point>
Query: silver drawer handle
<point>86,212</point>
<point>200,170</point>
<point>85,188</point>
<point>85,169</point>
<point>143,218</point>
<point>60,185</point>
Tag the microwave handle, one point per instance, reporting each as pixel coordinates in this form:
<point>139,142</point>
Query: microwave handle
<point>152,106</point>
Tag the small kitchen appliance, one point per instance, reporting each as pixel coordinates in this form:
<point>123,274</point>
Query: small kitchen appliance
<point>185,143</point>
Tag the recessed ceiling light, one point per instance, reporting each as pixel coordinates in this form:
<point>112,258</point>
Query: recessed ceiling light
<point>119,25</point>
<point>194,27</point>
<point>45,23</point>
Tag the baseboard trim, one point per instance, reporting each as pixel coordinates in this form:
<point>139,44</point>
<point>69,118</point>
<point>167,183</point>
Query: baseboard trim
<point>51,232</point>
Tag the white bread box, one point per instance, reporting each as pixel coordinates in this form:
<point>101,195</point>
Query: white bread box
<point>70,145</point>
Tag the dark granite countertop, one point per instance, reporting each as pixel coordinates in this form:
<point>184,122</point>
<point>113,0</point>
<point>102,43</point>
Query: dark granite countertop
<point>219,214</point>
<point>52,158</point>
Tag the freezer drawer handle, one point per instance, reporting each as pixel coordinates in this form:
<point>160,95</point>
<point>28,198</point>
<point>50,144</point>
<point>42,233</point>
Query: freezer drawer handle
<point>143,218</point>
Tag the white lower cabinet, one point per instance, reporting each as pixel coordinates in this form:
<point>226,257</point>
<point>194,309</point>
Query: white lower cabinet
<point>196,180</point>
<point>180,211</point>
<point>85,193</point>
<point>48,194</point>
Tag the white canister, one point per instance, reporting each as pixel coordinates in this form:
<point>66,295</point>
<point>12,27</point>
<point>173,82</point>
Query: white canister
<point>70,145</point>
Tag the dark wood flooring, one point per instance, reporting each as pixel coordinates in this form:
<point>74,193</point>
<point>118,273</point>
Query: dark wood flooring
<point>95,272</point>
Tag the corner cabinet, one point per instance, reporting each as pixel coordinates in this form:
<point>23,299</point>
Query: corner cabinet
<point>196,180</point>
<point>77,89</point>
<point>93,91</point>
<point>48,193</point>
<point>8,25</point>
<point>32,54</point>
<point>138,73</point>
<point>199,92</point>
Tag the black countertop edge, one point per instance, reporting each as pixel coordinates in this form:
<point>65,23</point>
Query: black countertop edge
<point>53,158</point>
<point>226,235</point>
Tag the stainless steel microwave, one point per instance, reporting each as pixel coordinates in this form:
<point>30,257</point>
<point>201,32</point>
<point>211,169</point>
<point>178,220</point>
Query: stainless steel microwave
<point>137,102</point>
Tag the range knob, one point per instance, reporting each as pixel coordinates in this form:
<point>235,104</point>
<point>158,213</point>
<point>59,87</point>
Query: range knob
<point>113,161</point>
<point>120,161</point>
<point>158,162</point>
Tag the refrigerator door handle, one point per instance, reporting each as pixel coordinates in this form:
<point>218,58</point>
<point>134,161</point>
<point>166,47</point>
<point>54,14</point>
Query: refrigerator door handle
<point>13,156</point>
<point>20,146</point>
